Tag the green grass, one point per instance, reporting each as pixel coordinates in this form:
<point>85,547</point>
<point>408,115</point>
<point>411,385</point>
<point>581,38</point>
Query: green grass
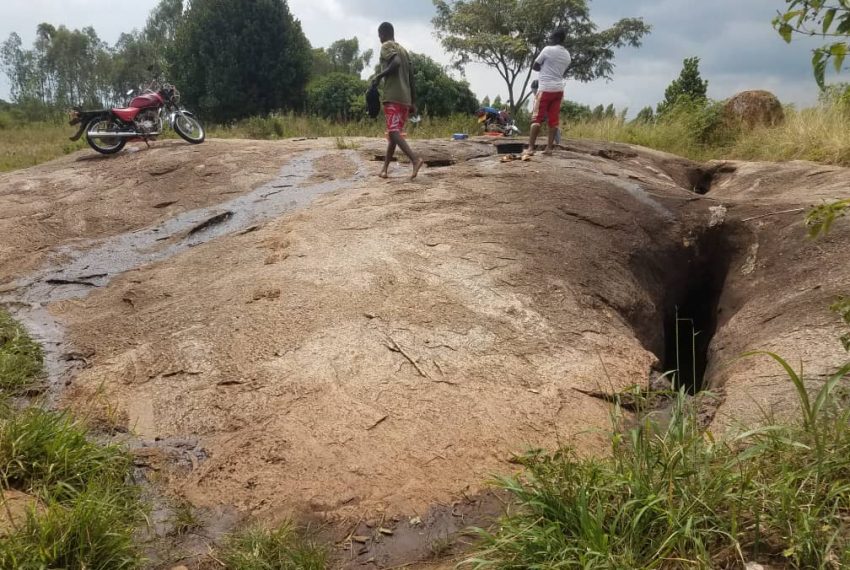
<point>819,134</point>
<point>284,126</point>
<point>283,548</point>
<point>48,454</point>
<point>25,145</point>
<point>21,359</point>
<point>674,497</point>
<point>92,531</point>
<point>89,509</point>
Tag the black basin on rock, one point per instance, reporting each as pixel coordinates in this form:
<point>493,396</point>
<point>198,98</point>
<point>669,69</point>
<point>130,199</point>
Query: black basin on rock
<point>510,148</point>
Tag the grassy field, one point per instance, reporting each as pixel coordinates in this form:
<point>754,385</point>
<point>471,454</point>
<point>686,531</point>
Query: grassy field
<point>820,134</point>
<point>674,497</point>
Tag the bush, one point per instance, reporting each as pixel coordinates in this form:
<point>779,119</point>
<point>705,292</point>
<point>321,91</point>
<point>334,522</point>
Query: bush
<point>21,359</point>
<point>279,549</point>
<point>337,96</point>
<point>701,117</point>
<point>674,497</point>
<point>47,454</point>
<point>93,530</point>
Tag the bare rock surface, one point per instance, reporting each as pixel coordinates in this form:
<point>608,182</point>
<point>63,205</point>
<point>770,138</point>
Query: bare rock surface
<point>386,346</point>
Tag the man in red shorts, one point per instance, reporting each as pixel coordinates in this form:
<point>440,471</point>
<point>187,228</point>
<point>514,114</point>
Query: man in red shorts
<point>399,96</point>
<point>552,63</point>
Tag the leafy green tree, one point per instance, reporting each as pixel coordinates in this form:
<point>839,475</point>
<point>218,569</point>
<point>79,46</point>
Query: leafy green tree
<point>485,102</point>
<point>575,112</point>
<point>159,37</point>
<point>508,35</point>
<point>18,67</point>
<point>238,58</point>
<point>439,94</point>
<point>598,113</point>
<point>63,68</point>
<point>164,21</point>
<point>826,18</point>
<point>337,96</point>
<point>345,56</point>
<point>610,111</point>
<point>322,64</point>
<point>132,57</point>
<point>497,102</point>
<point>646,115</point>
<point>689,86</point>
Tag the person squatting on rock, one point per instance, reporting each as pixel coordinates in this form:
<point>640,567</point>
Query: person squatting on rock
<point>552,63</point>
<point>399,96</point>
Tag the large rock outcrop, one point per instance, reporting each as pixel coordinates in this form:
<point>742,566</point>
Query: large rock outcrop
<point>753,109</point>
<point>395,343</point>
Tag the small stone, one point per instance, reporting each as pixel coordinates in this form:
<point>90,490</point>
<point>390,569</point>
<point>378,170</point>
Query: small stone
<point>385,531</point>
<point>416,521</point>
<point>360,539</point>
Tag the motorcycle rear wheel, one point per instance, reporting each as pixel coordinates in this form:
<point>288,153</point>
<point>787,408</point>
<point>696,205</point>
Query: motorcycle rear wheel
<point>104,145</point>
<point>189,128</point>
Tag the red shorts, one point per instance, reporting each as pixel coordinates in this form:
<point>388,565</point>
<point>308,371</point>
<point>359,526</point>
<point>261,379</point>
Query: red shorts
<point>396,114</point>
<point>549,107</point>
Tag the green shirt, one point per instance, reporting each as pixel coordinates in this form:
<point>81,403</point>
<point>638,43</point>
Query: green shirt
<point>396,85</point>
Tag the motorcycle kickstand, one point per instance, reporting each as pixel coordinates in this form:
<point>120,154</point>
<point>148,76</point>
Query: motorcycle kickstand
<point>147,144</point>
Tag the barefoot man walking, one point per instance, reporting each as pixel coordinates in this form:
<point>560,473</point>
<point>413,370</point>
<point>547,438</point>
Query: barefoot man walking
<point>399,96</point>
<point>552,63</point>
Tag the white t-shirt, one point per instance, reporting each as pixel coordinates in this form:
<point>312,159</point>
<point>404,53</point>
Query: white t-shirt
<point>554,61</point>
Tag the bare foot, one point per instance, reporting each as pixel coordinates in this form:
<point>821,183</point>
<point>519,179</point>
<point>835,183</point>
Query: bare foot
<point>383,174</point>
<point>419,163</point>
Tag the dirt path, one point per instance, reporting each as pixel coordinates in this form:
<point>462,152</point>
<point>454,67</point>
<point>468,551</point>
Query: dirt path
<point>387,349</point>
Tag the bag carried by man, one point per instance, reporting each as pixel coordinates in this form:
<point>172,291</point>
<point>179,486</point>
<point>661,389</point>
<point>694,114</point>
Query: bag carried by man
<point>373,102</point>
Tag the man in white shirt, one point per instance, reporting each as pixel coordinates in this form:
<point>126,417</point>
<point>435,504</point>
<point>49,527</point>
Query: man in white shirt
<point>552,63</point>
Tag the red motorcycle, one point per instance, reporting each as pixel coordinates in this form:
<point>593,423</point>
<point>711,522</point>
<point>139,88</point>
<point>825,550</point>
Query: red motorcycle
<point>108,130</point>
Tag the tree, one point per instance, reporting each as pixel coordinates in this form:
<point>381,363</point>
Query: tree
<point>437,93</point>
<point>575,112</point>
<point>63,68</point>
<point>610,111</point>
<point>826,18</point>
<point>485,102</point>
<point>337,96</point>
<point>133,55</point>
<point>345,56</point>
<point>646,115</point>
<point>321,64</point>
<point>598,113</point>
<point>160,35</point>
<point>164,21</point>
<point>238,58</point>
<point>509,34</point>
<point>497,102</point>
<point>689,86</point>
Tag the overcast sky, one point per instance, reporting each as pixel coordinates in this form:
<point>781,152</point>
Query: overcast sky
<point>734,39</point>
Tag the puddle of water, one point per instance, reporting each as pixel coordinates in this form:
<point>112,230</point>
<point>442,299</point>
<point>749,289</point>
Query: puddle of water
<point>85,266</point>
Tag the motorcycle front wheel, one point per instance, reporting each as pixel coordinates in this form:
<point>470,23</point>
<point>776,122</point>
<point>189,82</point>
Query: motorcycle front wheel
<point>189,128</point>
<point>104,144</point>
